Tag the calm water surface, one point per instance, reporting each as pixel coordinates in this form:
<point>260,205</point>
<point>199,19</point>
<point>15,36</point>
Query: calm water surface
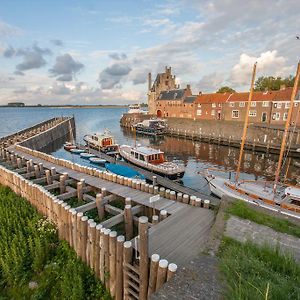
<point>196,155</point>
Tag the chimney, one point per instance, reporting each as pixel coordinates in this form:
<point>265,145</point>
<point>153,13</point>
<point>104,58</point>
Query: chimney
<point>200,93</point>
<point>188,87</point>
<point>166,69</point>
<point>282,87</point>
<point>149,81</point>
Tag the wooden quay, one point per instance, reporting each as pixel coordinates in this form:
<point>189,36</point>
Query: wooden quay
<point>177,237</point>
<point>132,245</point>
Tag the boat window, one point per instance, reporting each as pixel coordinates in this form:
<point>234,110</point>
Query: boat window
<point>132,153</point>
<point>136,155</point>
<point>142,157</point>
<point>295,202</point>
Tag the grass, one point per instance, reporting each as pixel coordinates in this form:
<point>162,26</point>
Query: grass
<point>30,251</point>
<point>253,272</point>
<point>242,210</point>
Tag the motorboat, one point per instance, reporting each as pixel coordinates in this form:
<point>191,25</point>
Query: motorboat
<point>151,127</point>
<point>104,142</point>
<point>153,160</point>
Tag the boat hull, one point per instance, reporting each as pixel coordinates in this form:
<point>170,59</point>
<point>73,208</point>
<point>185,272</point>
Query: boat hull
<point>174,176</point>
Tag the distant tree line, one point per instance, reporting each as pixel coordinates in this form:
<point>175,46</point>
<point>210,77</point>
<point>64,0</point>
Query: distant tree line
<point>265,83</point>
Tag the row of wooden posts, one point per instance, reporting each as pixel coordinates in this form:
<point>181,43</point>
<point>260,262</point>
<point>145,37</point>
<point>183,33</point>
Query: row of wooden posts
<point>110,256</point>
<point>135,184</point>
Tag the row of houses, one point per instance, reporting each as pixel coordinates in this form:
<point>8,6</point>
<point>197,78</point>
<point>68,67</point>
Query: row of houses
<point>270,107</point>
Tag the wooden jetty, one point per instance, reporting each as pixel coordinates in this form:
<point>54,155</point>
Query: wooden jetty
<point>154,239</point>
<point>160,180</point>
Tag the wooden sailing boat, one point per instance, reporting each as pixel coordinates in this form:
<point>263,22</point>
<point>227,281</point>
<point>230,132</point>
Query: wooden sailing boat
<point>272,195</point>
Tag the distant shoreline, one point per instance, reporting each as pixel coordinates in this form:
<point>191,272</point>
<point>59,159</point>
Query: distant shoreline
<point>66,106</point>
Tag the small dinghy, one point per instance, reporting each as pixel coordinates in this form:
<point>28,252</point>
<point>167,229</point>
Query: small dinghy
<point>76,151</point>
<point>124,171</point>
<point>97,160</point>
<point>68,146</point>
<point>86,155</point>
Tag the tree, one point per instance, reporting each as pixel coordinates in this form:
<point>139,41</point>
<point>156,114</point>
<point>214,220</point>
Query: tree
<point>225,89</point>
<point>271,83</point>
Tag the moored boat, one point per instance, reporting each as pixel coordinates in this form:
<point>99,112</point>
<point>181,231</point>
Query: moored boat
<point>152,160</point>
<point>276,196</point>
<point>151,127</point>
<point>77,151</point>
<point>87,155</point>
<point>97,161</point>
<point>68,146</point>
<point>104,142</point>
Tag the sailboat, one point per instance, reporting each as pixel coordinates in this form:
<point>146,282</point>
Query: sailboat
<point>273,195</point>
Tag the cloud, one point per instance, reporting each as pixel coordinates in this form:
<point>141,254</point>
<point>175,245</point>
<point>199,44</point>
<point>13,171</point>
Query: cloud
<point>9,52</point>
<point>111,76</point>
<point>268,63</point>
<point>20,73</point>
<point>59,89</point>
<point>66,68</point>
<point>118,56</point>
<point>7,30</point>
<point>57,42</point>
<point>33,57</point>
<point>211,82</point>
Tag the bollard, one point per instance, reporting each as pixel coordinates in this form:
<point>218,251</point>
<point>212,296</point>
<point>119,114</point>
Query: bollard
<point>179,197</point>
<point>62,184</point>
<point>163,215</point>
<point>193,200</point>
<point>172,268</point>
<point>144,259</point>
<point>128,220</point>
<point>80,190</point>
<point>100,206</point>
<point>128,201</point>
<point>162,192</point>
<point>173,195</point>
<point>155,219</point>
<point>206,203</point>
<point>161,273</point>
<point>154,180</point>
<point>198,202</point>
<point>153,274</point>
<point>185,198</point>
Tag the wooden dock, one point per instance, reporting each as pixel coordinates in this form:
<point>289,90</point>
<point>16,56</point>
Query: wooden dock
<point>162,181</point>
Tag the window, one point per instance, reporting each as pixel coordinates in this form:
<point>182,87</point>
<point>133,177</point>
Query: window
<point>231,104</point>
<point>276,116</point>
<point>285,115</point>
<point>279,105</point>
<point>265,104</point>
<point>213,105</point>
<point>199,105</point>
<point>287,105</point>
<point>235,114</point>
<point>253,104</point>
<point>213,112</point>
<point>242,104</point>
<point>219,104</point>
<point>199,112</point>
<point>252,113</point>
<point>264,117</point>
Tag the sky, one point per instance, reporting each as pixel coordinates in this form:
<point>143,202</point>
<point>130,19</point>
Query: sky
<point>100,52</point>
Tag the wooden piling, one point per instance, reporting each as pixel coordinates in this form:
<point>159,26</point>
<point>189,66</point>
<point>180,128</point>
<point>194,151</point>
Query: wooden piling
<point>127,259</point>
<point>163,214</point>
<point>153,274</point>
<point>106,257</point>
<point>128,220</point>
<point>172,268</point>
<point>100,206</point>
<point>128,201</point>
<point>161,273</point>
<point>155,219</point>
<point>206,203</point>
<point>97,250</point>
<point>79,190</point>
<point>112,262</point>
<point>119,268</point>
<point>62,184</point>
<point>144,259</point>
<point>83,243</point>
<point>48,177</point>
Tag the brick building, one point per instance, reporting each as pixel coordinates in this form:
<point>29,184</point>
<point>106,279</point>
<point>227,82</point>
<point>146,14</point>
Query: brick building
<point>167,100</point>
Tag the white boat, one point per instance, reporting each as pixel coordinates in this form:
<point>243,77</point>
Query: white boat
<point>87,155</point>
<point>273,195</point>
<point>152,160</point>
<point>104,142</point>
<point>135,109</point>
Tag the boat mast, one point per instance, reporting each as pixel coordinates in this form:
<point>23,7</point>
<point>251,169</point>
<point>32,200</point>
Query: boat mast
<point>286,129</point>
<point>245,124</point>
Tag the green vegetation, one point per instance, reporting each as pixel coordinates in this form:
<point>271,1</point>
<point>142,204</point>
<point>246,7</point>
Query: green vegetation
<point>225,89</point>
<point>242,210</point>
<point>273,84</point>
<point>253,272</point>
<point>34,264</point>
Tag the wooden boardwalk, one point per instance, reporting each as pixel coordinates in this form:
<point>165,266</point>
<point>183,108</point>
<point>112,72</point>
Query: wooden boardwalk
<point>163,181</point>
<point>137,196</point>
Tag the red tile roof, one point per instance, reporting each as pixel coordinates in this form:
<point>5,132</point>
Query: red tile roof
<point>281,95</point>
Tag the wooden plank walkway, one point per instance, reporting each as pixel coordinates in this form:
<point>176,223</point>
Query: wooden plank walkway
<point>182,236</point>
<point>137,196</point>
<point>163,181</point>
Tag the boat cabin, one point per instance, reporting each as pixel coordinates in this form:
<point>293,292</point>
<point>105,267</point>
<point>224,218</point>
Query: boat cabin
<point>104,141</point>
<point>148,155</point>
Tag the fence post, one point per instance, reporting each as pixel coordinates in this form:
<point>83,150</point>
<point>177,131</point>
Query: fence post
<point>119,268</point>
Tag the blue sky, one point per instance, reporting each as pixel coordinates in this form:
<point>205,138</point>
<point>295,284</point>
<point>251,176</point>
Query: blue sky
<point>96,52</point>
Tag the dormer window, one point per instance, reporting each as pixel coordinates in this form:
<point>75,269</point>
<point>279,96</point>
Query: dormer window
<point>175,95</point>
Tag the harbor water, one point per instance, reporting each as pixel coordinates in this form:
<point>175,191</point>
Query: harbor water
<point>196,155</point>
